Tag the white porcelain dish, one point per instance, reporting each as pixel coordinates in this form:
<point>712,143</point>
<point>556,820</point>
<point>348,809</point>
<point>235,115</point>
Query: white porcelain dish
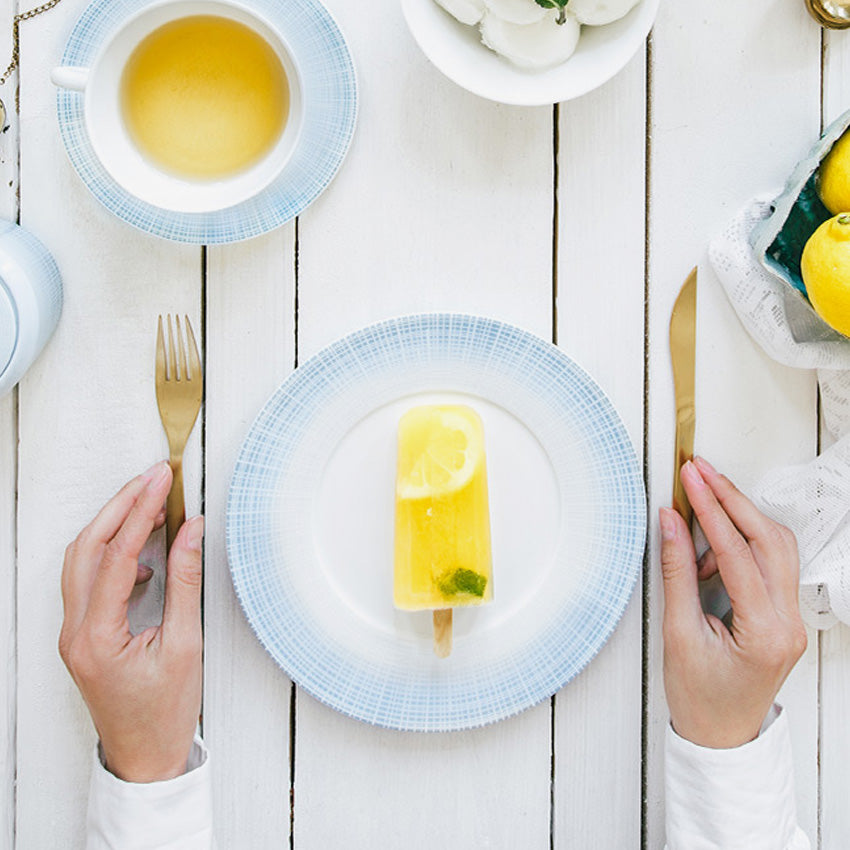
<point>310,523</point>
<point>457,51</point>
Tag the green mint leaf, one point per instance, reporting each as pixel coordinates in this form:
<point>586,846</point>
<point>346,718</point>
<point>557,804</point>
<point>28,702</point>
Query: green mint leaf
<point>463,581</point>
<point>555,4</point>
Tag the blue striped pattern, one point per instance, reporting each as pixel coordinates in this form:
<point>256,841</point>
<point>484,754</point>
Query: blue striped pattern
<point>330,97</point>
<point>398,683</point>
<point>29,253</point>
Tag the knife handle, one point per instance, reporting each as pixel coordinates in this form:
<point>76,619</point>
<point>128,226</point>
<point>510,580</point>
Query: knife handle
<point>680,499</point>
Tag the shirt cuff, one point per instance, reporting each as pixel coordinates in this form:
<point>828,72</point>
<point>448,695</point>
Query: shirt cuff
<point>734,799</point>
<point>166,815</point>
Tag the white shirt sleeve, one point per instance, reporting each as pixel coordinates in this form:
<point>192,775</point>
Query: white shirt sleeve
<point>735,799</point>
<point>171,815</point>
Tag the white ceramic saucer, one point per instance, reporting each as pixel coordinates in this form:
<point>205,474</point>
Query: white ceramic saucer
<point>329,90</point>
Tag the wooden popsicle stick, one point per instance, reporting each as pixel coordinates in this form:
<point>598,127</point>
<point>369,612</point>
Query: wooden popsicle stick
<point>443,632</point>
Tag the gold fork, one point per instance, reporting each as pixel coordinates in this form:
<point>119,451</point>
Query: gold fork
<point>178,394</point>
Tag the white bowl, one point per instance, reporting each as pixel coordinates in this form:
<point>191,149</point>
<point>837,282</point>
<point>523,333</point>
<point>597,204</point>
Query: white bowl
<point>456,49</point>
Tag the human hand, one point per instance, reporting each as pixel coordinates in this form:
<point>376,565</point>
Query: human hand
<point>721,683</point>
<point>143,692</point>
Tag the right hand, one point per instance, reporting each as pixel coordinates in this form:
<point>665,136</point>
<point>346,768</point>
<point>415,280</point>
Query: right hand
<point>143,692</point>
<point>721,683</point>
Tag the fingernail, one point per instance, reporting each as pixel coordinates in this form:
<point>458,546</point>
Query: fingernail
<point>158,474</point>
<point>690,470</point>
<point>667,523</point>
<point>704,465</point>
<point>195,533</point>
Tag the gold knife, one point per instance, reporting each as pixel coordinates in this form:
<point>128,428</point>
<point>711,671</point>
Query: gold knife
<point>682,352</point>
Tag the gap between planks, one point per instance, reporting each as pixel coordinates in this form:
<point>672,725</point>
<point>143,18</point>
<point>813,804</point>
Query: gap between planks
<point>556,148</point>
<point>645,577</point>
<point>293,694</point>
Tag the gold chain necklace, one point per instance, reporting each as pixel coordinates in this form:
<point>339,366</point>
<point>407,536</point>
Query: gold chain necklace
<point>16,44</point>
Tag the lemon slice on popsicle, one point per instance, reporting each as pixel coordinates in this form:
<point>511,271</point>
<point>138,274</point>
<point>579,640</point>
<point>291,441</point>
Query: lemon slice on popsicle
<point>441,450</point>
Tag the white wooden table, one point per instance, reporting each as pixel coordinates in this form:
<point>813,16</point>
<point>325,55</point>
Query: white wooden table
<point>577,222</point>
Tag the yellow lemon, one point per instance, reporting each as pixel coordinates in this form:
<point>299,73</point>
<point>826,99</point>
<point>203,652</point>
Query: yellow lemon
<point>826,272</point>
<point>833,179</point>
<point>443,446</point>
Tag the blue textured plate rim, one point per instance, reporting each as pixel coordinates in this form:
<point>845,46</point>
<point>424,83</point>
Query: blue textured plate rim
<point>330,89</point>
<point>566,652</point>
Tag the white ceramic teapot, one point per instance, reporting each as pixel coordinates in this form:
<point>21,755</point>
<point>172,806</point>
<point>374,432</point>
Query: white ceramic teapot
<point>30,301</point>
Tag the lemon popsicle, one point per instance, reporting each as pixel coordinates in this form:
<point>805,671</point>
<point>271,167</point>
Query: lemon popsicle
<point>442,521</point>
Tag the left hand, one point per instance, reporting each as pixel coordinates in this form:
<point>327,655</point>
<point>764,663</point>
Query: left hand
<point>144,691</point>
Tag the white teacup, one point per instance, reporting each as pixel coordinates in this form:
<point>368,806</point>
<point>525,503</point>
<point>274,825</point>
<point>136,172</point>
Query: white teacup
<point>115,148</point>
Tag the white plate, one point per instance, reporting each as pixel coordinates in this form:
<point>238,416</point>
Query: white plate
<point>456,49</point>
<point>310,523</point>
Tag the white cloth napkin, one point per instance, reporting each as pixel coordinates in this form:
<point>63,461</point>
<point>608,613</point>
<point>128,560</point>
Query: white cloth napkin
<point>813,499</point>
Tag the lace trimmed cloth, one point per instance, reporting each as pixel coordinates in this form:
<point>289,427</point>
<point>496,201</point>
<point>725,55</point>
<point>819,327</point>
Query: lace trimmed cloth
<point>812,499</point>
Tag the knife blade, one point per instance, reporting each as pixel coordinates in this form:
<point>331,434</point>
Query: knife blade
<point>682,355</point>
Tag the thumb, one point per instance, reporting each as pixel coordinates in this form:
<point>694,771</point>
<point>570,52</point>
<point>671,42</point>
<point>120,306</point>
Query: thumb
<point>682,609</point>
<point>181,618</point>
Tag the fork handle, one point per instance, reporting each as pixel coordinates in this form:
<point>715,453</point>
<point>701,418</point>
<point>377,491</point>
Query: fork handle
<point>175,506</point>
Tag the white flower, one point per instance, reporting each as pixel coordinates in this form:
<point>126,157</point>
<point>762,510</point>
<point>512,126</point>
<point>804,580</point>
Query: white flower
<point>466,11</point>
<point>600,12</point>
<point>534,46</point>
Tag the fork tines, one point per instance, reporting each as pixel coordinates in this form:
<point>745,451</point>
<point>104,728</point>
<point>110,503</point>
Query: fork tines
<point>172,364</point>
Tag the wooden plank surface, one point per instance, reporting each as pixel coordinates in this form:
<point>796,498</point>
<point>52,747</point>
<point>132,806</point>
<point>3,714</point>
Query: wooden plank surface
<point>8,623</point>
<point>731,108</point>
<point>444,203</point>
<point>601,246</point>
<point>834,744</point>
<point>8,479</point>
<point>250,298</point>
<point>88,422</point>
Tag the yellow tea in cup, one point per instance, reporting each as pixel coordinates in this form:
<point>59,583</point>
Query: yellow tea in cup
<point>204,97</point>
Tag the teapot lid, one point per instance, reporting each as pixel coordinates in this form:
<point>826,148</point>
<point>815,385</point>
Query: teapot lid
<point>8,327</point>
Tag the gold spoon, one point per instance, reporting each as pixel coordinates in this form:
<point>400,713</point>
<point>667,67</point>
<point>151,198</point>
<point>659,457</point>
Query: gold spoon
<point>834,14</point>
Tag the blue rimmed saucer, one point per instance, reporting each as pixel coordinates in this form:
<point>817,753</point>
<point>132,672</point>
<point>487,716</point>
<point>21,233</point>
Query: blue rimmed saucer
<point>329,88</point>
<point>310,523</point>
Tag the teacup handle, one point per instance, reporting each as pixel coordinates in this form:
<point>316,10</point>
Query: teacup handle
<point>69,77</point>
